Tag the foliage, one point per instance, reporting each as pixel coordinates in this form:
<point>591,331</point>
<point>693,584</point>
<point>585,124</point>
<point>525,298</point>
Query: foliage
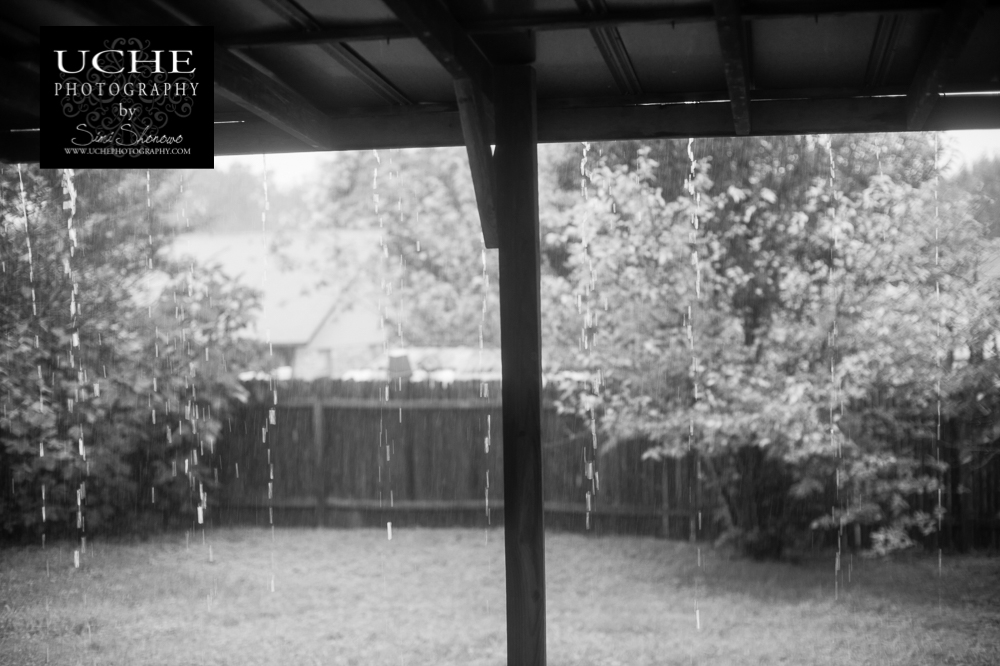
<point>230,201</point>
<point>434,269</point>
<point>981,181</point>
<point>790,274</point>
<point>117,366</point>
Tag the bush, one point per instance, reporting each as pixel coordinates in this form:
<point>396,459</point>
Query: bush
<point>116,367</point>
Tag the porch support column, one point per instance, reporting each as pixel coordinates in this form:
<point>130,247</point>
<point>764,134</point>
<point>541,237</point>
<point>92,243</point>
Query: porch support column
<point>516,164</point>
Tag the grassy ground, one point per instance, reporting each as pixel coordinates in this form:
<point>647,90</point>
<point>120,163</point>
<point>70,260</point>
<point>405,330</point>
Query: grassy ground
<point>436,597</point>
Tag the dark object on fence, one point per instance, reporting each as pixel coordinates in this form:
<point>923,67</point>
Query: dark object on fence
<point>399,367</point>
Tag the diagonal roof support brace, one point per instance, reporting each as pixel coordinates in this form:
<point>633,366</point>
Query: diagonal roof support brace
<point>438,30</point>
<point>476,130</point>
<point>734,57</point>
<point>950,35</point>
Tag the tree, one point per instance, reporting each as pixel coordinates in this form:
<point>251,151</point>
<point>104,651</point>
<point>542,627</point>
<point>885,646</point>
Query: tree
<point>816,294</point>
<point>434,270</point>
<point>116,364</point>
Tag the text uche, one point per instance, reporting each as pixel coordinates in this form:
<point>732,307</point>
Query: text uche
<point>104,63</point>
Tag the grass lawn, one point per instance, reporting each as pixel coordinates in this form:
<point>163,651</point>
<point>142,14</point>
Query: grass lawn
<point>437,597</point>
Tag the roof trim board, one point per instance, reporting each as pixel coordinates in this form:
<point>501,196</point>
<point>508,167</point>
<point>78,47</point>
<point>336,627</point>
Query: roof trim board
<point>442,126</point>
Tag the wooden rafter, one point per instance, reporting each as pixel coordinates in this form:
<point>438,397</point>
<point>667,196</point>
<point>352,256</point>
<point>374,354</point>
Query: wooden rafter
<point>270,100</point>
<point>438,30</point>
<point>883,50</point>
<point>609,43</point>
<point>237,78</point>
<point>946,43</point>
<point>734,60</point>
<point>444,37</point>
<point>348,58</point>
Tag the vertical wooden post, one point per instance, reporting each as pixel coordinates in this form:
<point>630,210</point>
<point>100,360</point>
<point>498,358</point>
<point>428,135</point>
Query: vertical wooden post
<point>679,464</point>
<point>319,440</point>
<point>665,498</point>
<point>516,164</point>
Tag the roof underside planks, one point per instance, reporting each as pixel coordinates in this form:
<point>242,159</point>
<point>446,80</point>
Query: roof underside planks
<point>349,74</point>
<point>303,75</point>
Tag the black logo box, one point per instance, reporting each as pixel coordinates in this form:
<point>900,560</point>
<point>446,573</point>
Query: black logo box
<point>126,97</point>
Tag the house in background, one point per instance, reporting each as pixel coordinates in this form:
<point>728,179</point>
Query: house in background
<point>319,296</point>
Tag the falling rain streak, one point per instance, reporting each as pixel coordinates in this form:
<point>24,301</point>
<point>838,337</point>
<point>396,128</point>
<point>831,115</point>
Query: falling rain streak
<point>694,195</point>
<point>384,479</point>
<point>75,355</point>
<point>588,336</point>
<point>836,442</point>
<point>940,353</point>
<point>272,416</point>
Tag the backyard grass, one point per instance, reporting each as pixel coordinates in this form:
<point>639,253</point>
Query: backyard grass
<point>437,597</point>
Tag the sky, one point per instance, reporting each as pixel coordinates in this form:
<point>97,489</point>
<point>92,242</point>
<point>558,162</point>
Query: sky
<point>290,169</point>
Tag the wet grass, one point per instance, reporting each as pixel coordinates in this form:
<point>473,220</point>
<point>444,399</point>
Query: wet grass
<point>437,597</point>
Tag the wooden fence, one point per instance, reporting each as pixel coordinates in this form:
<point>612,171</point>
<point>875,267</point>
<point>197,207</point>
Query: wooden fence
<point>329,468</point>
<point>342,454</point>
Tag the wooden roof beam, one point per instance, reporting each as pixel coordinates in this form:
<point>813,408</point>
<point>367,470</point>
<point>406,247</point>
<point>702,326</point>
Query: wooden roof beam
<point>270,100</point>
<point>734,58</point>
<point>412,127</point>
<point>441,33</point>
<point>945,45</point>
